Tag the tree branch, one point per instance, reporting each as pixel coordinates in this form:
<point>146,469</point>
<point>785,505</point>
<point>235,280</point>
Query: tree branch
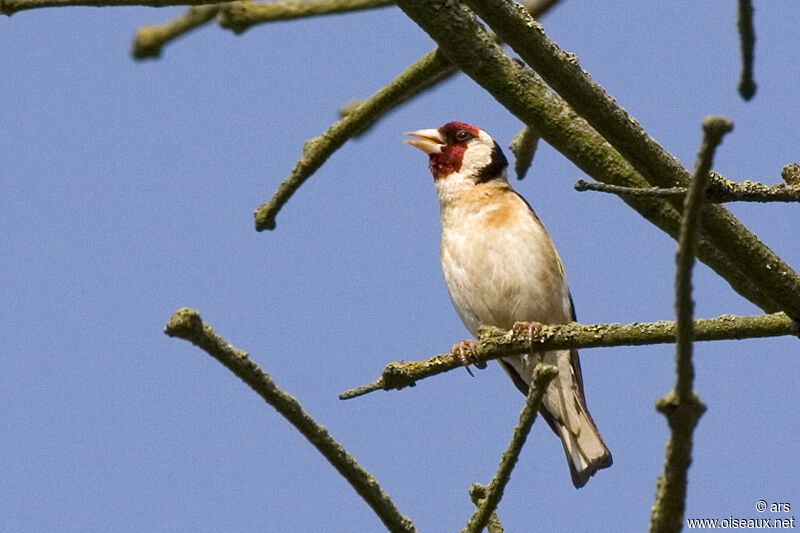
<point>317,150</point>
<point>240,16</point>
<point>682,407</point>
<point>562,72</point>
<point>747,39</point>
<point>543,374</point>
<point>495,343</point>
<point>148,40</point>
<point>187,324</point>
<point>718,190</point>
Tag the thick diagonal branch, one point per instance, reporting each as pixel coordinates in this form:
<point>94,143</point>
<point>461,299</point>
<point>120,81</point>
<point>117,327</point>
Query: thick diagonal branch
<point>187,324</point>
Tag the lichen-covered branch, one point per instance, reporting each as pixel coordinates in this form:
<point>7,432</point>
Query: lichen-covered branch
<point>467,44</point>
<point>317,150</point>
<point>562,72</point>
<point>239,16</point>
<point>187,324</point>
<point>747,40</point>
<point>718,190</point>
<point>148,40</point>
<point>477,492</point>
<point>682,407</point>
<point>543,374</point>
<point>495,343</point>
<point>523,146</point>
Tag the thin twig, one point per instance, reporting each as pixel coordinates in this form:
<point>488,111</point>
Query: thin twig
<point>317,150</point>
<point>239,16</point>
<point>523,146</point>
<point>187,324</point>
<point>477,493</point>
<point>562,72</point>
<point>148,40</point>
<point>8,7</point>
<point>543,374</point>
<point>718,190</point>
<point>682,407</point>
<point>747,40</point>
<point>495,343</point>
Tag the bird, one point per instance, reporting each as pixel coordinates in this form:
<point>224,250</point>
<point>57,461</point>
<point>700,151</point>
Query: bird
<point>502,269</point>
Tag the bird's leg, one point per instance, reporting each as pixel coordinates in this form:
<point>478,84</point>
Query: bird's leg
<point>531,327</point>
<point>466,351</point>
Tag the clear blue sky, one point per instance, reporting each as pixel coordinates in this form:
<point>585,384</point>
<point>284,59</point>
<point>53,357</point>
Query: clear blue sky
<point>128,191</point>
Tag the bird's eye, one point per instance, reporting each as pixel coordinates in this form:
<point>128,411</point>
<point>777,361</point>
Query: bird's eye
<point>462,135</point>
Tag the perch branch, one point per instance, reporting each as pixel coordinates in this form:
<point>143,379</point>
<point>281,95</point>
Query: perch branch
<point>186,324</point>
<point>543,374</point>
<point>495,343</point>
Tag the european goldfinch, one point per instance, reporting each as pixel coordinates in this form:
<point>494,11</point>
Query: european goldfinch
<point>502,269</point>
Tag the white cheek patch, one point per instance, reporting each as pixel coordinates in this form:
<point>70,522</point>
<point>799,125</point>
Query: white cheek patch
<point>477,155</point>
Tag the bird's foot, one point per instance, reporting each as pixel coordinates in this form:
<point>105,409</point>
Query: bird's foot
<point>466,352</point>
<point>519,327</point>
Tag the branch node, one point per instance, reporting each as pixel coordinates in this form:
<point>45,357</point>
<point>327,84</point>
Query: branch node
<point>791,175</point>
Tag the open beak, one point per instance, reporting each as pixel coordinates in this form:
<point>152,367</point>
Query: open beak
<point>429,141</point>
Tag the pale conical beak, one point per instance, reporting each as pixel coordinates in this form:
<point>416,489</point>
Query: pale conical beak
<point>429,141</point>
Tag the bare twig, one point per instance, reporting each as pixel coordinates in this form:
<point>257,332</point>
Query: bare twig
<point>148,40</point>
<point>495,343</point>
<point>543,374</point>
<point>8,7</point>
<point>747,39</point>
<point>317,150</point>
<point>682,407</point>
<point>718,190</point>
<point>187,324</point>
<point>239,16</point>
